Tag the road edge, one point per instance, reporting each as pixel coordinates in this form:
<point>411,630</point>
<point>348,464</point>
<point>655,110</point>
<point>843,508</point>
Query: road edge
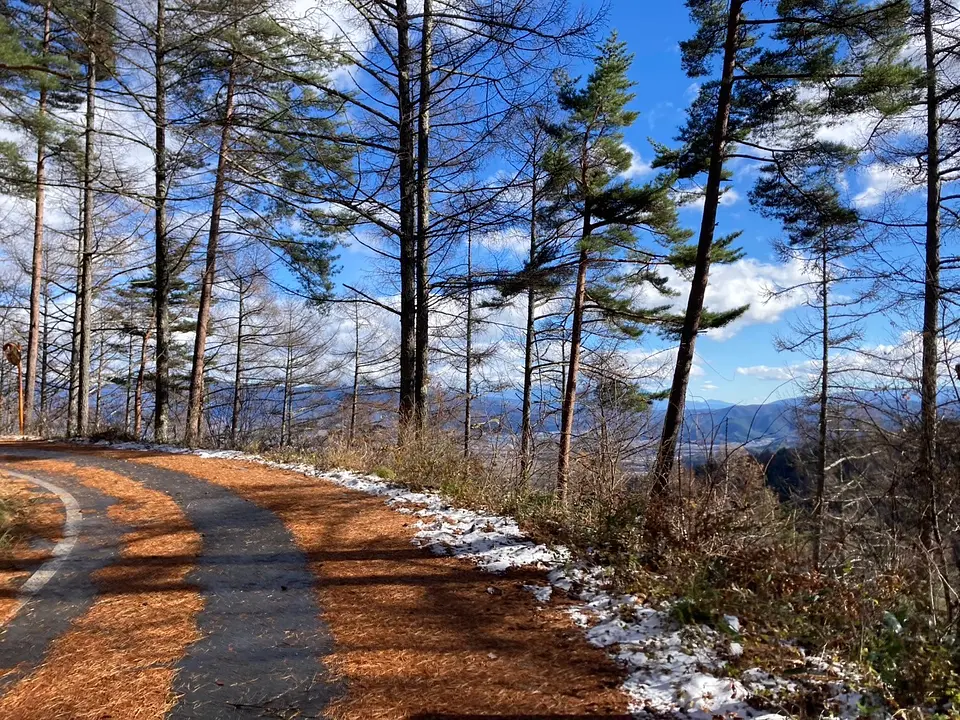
<point>71,532</point>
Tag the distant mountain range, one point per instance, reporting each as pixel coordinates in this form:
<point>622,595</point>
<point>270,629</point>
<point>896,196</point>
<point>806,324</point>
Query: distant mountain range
<point>719,423</point>
<point>705,422</point>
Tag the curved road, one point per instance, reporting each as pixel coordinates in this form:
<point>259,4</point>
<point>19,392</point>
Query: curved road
<point>262,642</point>
<point>193,587</point>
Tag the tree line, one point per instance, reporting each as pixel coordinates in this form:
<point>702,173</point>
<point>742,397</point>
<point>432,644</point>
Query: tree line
<point>180,175</point>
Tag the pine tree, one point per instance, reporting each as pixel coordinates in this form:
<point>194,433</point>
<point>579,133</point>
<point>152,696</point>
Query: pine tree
<point>543,273</point>
<point>36,63</point>
<point>95,20</point>
<point>587,195</point>
<point>276,156</point>
<point>844,50</point>
<point>822,232</point>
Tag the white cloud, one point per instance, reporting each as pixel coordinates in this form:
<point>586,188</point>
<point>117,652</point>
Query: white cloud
<point>729,197</point>
<point>638,168</point>
<point>883,181</point>
<point>512,239</point>
<point>765,287</point>
<point>785,373</point>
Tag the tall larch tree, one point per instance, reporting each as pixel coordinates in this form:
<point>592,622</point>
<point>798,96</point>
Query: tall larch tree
<point>832,47</point>
<point>278,156</point>
<point>604,213</point>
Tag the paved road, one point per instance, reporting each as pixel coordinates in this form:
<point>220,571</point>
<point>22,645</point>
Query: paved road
<point>194,592</point>
<point>263,644</point>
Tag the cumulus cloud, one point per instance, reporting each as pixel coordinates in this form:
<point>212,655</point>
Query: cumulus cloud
<point>784,373</point>
<point>881,181</point>
<point>729,197</point>
<point>513,239</point>
<point>638,167</point>
<point>762,286</point>
<point>765,287</point>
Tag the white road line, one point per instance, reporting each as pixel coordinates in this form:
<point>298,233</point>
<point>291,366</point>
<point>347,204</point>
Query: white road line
<point>71,530</point>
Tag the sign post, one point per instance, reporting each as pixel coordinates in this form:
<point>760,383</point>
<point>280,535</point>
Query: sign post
<point>12,352</point>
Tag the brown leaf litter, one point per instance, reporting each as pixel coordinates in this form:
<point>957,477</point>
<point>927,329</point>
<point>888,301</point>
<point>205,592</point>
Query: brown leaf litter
<point>117,661</point>
<point>417,635</point>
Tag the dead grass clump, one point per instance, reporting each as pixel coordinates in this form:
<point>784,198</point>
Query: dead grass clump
<point>118,659</point>
<point>419,635</point>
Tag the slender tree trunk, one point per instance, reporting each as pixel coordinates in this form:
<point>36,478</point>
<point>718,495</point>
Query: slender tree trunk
<point>73,396</point>
<point>468,380</point>
<point>86,294</point>
<point>128,398</point>
<point>98,395</point>
<point>356,373</point>
<point>141,381</point>
<point>421,378</point>
<point>3,396</point>
<point>526,422</point>
<point>573,366</point>
<point>45,347</point>
<point>287,421</point>
<point>408,243</point>
<point>818,507</point>
<point>237,372</point>
<point>698,286</point>
<point>161,299</point>
<point>36,270</point>
<point>929,385</point>
<point>195,403</point>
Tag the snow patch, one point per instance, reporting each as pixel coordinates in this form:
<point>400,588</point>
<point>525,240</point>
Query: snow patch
<point>542,593</point>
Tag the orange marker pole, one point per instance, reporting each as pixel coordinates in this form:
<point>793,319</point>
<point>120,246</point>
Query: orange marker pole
<point>20,393</point>
<point>12,351</point>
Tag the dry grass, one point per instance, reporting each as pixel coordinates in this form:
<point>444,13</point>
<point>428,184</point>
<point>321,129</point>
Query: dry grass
<point>418,635</point>
<point>118,659</point>
<point>27,513</point>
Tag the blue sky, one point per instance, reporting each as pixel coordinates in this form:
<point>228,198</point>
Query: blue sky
<point>742,364</point>
<point>652,32</point>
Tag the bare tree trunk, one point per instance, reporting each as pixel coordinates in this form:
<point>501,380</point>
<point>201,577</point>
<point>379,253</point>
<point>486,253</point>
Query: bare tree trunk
<point>818,508</point>
<point>73,398</point>
<point>98,395</point>
<point>526,423</point>
<point>238,369</point>
<point>423,219</point>
<point>195,403</point>
<point>36,270</point>
<point>698,286</point>
<point>468,380</point>
<point>86,290</point>
<point>128,398</point>
<point>3,397</point>
<point>45,346</point>
<point>141,381</point>
<point>356,373</point>
<point>573,367</point>
<point>286,430</point>
<point>928,470</point>
<point>161,299</point>
<point>408,293</point>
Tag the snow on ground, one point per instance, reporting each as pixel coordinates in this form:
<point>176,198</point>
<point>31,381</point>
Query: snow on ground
<point>672,669</point>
